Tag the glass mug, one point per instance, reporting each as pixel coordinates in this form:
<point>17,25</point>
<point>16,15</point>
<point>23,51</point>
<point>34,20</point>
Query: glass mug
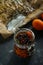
<point>24,42</point>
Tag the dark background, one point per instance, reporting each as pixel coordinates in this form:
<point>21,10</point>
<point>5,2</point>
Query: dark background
<point>7,57</point>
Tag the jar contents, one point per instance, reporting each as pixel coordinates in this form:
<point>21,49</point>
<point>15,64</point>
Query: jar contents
<point>24,43</point>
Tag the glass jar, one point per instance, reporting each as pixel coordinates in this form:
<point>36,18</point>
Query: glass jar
<point>24,42</point>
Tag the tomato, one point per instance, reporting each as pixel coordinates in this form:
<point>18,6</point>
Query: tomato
<point>37,24</point>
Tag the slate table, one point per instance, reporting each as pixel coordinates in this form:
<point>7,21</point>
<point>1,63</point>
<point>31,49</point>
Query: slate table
<point>7,57</point>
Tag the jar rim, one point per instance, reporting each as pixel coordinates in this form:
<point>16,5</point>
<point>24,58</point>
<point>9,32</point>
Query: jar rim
<point>22,30</point>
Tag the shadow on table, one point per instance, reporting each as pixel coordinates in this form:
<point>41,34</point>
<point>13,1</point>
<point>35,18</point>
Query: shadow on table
<point>2,40</point>
<point>15,60</point>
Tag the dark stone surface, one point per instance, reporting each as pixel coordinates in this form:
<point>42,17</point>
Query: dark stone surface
<point>7,57</point>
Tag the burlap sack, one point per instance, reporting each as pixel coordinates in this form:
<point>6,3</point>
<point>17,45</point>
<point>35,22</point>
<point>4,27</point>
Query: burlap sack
<point>8,10</point>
